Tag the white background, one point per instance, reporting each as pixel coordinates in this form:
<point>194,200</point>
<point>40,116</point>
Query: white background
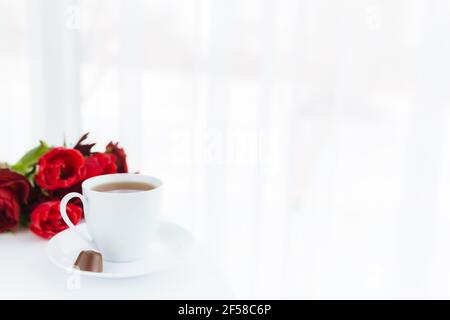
<point>304,143</point>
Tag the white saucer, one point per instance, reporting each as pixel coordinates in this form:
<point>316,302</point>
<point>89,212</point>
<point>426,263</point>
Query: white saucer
<point>168,249</point>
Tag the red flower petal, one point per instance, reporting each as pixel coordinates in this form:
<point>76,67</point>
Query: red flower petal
<point>46,220</point>
<point>60,168</point>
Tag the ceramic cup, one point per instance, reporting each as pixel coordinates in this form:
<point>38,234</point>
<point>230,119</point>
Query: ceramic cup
<point>120,225</point>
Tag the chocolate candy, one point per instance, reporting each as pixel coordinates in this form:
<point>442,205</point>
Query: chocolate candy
<point>89,261</point>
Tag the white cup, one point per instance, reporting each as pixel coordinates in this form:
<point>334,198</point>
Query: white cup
<point>121,225</point>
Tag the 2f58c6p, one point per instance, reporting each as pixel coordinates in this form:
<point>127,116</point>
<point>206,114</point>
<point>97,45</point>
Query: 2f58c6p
<point>244,309</point>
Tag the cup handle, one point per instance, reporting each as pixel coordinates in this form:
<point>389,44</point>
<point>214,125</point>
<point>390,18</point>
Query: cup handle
<point>62,209</point>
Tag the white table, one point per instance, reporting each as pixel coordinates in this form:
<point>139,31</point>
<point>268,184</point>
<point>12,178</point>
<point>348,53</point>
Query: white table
<point>27,273</point>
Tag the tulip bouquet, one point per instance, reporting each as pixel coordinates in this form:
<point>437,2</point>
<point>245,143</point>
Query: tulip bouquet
<point>31,189</point>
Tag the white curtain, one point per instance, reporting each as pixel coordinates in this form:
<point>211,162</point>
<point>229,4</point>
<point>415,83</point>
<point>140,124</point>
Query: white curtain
<point>304,143</point>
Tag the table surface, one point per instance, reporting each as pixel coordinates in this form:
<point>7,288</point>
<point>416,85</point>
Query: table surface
<point>27,273</point>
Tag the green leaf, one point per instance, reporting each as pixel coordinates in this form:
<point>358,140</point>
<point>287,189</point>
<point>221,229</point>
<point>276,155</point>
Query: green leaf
<point>29,160</point>
<point>30,175</point>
